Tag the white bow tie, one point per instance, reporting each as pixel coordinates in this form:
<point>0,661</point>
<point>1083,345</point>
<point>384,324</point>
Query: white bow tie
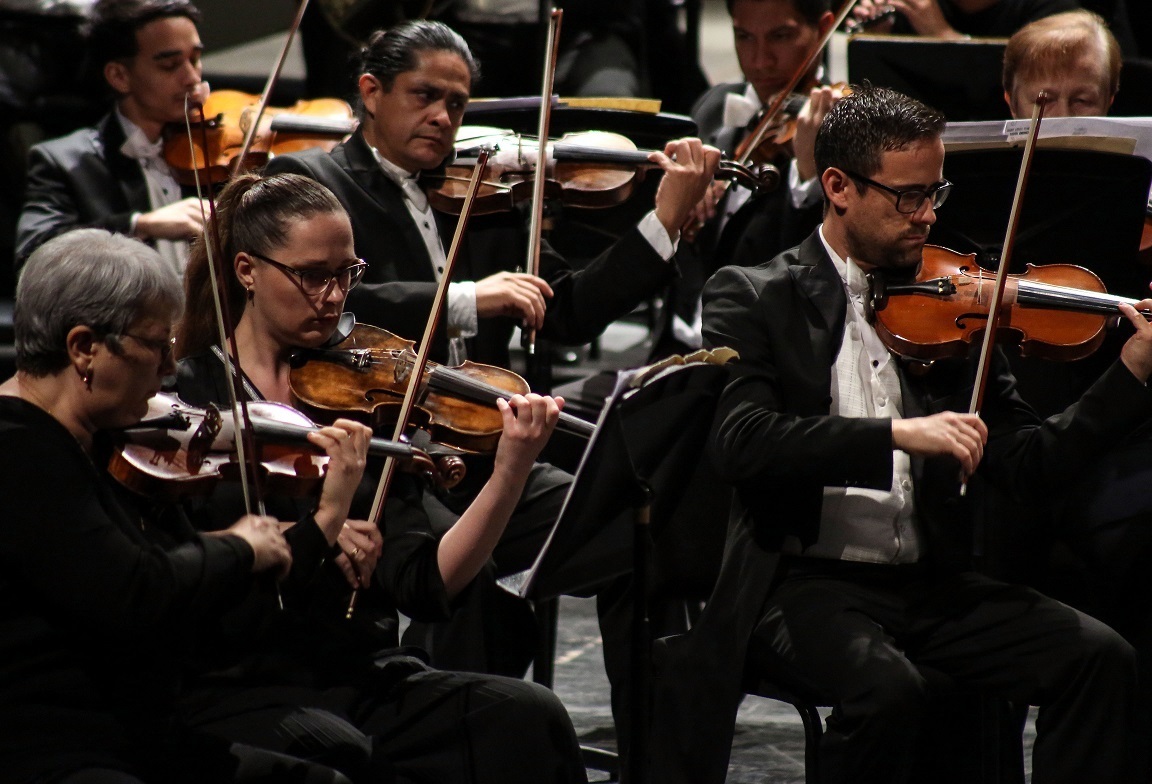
<point>140,149</point>
<point>414,193</point>
<point>739,110</point>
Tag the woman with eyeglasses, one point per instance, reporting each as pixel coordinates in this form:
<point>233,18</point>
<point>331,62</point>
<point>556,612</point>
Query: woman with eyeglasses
<point>314,680</point>
<point>96,602</point>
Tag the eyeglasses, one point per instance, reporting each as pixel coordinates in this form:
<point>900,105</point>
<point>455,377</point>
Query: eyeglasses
<point>318,282</point>
<point>911,200</point>
<point>163,345</point>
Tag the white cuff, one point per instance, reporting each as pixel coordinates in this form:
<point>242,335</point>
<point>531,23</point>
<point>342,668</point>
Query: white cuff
<point>658,237</point>
<point>802,194</point>
<point>462,317</point>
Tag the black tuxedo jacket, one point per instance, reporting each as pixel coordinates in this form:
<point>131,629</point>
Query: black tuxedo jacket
<point>774,440</point>
<point>399,286</point>
<point>80,181</point>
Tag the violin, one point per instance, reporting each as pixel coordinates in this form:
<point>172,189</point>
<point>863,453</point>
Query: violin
<point>781,128</point>
<point>367,374</point>
<point>227,117</point>
<point>591,169</point>
<point>178,450</point>
<point>1055,311</point>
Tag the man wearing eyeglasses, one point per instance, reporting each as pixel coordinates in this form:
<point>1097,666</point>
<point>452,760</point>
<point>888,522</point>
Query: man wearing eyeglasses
<point>847,574</point>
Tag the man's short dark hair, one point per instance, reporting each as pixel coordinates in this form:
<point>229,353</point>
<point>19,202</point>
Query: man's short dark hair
<point>862,126</point>
<point>112,26</point>
<point>811,10</point>
<point>394,51</point>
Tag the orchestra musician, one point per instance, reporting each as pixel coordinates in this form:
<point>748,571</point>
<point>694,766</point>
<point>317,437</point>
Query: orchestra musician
<point>311,675</point>
<point>113,176</point>
<point>847,567</point>
<point>1072,56</point>
<point>773,39</point>
<point>98,605</point>
<point>414,84</point>
<point>1091,546</point>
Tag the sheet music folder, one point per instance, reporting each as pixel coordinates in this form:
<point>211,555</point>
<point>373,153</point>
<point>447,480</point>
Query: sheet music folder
<point>654,433</point>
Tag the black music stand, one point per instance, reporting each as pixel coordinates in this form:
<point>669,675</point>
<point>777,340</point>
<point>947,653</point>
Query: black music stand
<point>647,444</point>
<point>960,78</point>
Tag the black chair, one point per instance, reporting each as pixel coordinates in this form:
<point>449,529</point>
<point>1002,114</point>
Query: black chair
<point>990,753</point>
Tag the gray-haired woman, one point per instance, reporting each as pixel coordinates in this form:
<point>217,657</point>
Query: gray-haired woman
<point>92,600</point>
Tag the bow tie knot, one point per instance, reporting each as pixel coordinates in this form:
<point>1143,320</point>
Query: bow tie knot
<point>140,149</point>
<point>739,110</point>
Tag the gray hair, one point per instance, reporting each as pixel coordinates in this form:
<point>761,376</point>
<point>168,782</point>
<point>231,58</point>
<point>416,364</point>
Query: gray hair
<point>87,277</point>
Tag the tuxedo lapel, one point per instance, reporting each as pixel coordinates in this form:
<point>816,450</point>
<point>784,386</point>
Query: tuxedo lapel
<point>818,282</point>
<point>404,246</point>
<point>125,172</point>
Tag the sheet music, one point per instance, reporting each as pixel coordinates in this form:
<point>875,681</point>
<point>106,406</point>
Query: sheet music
<point>1130,135</point>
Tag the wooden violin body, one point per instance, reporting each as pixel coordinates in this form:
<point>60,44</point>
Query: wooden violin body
<point>178,450</point>
<point>368,372</point>
<point>1056,311</point>
<point>218,139</point>
<point>590,169</point>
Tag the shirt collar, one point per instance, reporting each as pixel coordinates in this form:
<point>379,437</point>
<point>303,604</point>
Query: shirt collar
<point>855,279</point>
<point>402,177</point>
<point>136,144</point>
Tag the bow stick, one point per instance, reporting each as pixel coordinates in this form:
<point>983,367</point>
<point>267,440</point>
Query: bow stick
<point>985,362</point>
<point>535,227</point>
<point>420,360</point>
<point>273,77</point>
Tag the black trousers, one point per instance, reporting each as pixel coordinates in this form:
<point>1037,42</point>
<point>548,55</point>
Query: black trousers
<point>208,760</point>
<point>859,634</point>
<point>430,726</point>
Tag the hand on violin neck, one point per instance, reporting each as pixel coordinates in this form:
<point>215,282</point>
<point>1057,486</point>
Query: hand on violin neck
<point>269,547</point>
<point>182,220</point>
<point>528,423</point>
<point>1137,351</point>
<point>689,166</point>
<point>947,434</point>
<point>346,444</point>
<point>515,294</point>
<point>819,102</point>
<point>361,544</point>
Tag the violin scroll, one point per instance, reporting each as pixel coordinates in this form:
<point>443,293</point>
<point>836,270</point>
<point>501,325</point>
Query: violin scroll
<point>758,177</point>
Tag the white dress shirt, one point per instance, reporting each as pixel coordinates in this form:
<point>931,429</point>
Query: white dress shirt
<point>462,317</point>
<point>163,189</point>
<point>859,524</point>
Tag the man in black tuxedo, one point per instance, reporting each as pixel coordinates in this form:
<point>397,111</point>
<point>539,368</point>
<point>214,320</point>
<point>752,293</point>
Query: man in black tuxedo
<point>414,85</point>
<point>114,176</point>
<point>847,571</point>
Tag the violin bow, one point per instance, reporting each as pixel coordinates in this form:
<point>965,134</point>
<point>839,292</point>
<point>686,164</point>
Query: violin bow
<point>273,77</point>
<point>213,248</point>
<point>985,362</point>
<point>536,225</point>
<point>420,361</point>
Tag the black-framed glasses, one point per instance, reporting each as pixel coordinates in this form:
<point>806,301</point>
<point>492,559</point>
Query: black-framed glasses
<point>910,200</point>
<point>164,346</point>
<point>319,282</point>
